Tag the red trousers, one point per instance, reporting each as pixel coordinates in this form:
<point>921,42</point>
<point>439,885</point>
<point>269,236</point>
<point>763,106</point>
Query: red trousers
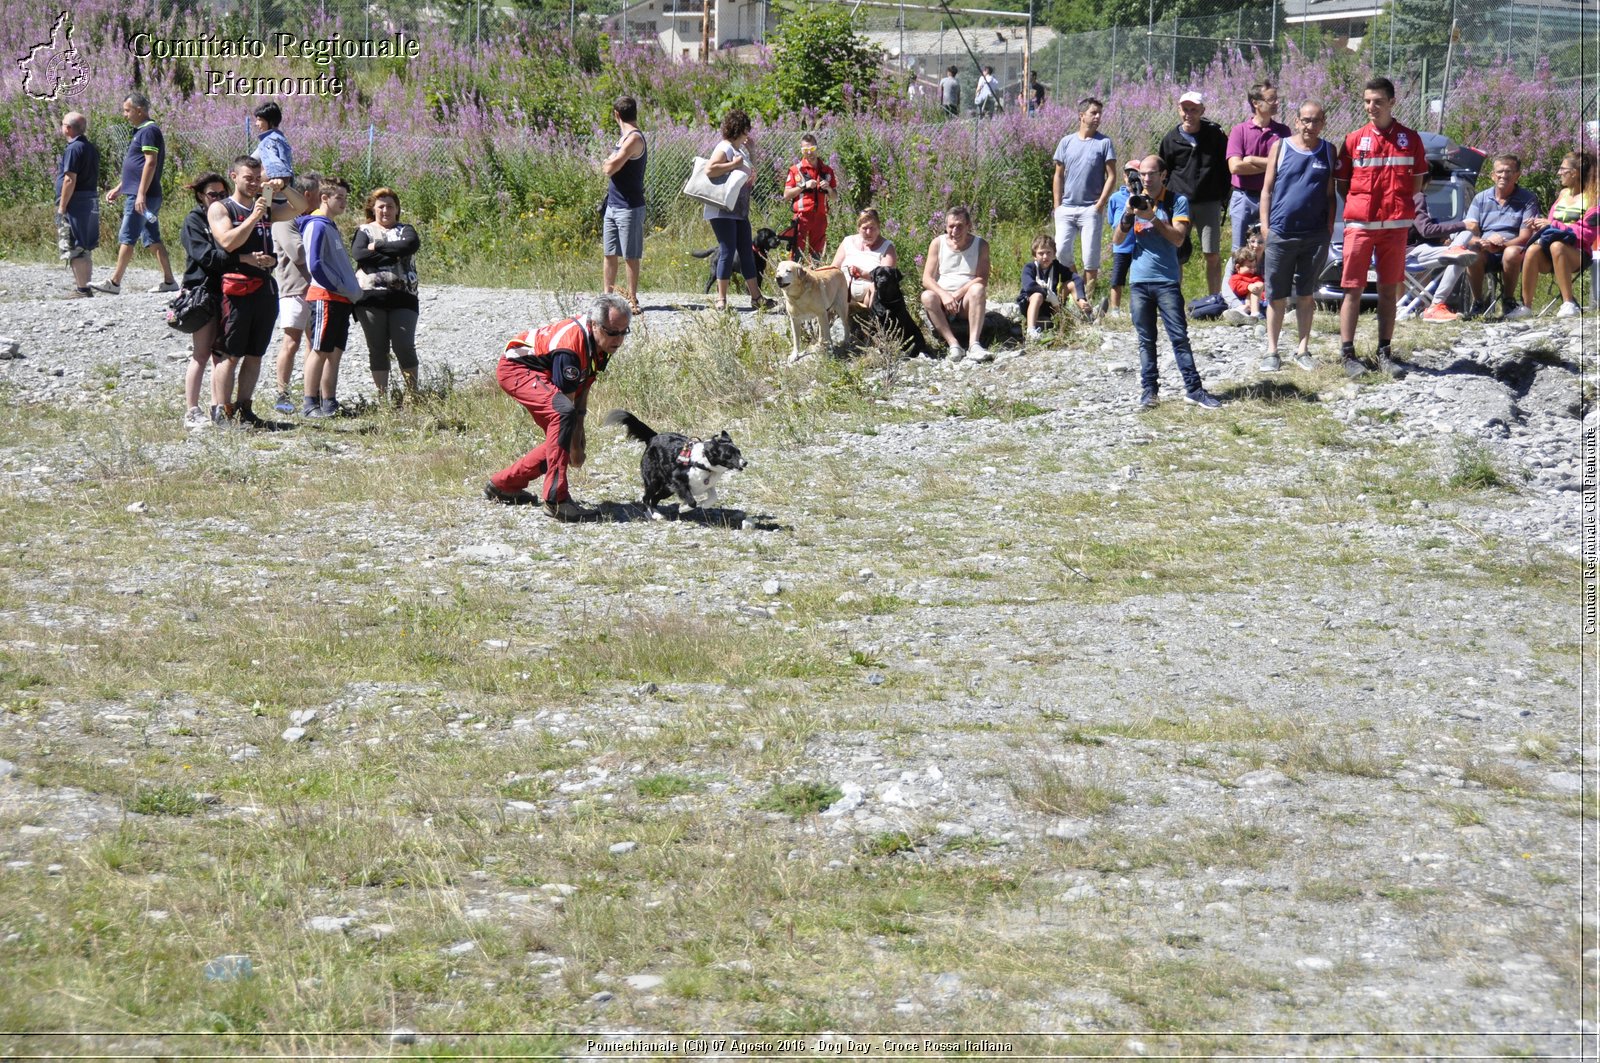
<point>552,411</point>
<point>811,231</point>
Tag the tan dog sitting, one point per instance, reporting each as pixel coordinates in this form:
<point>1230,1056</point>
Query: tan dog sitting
<point>821,295</point>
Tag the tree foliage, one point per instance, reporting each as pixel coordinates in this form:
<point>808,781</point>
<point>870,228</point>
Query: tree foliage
<point>817,57</point>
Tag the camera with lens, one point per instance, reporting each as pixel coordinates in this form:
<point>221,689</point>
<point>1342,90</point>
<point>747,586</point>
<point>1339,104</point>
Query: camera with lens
<point>1137,200</point>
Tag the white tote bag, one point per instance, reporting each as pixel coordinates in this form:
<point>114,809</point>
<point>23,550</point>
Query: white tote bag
<point>720,192</point>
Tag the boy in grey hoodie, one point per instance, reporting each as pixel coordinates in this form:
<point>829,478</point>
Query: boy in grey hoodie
<point>333,293</point>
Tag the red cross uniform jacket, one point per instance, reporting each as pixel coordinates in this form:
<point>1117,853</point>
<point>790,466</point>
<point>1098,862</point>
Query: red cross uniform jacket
<point>1382,166</point>
<point>563,351</point>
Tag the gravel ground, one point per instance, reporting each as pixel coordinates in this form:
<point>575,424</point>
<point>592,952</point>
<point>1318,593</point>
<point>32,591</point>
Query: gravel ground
<point>1434,675</point>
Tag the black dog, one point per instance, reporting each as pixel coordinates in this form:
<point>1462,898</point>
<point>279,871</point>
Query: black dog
<point>763,243</point>
<point>889,309</point>
<point>674,464</point>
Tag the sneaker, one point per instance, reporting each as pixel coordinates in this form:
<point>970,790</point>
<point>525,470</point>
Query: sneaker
<point>762,304</point>
<point>1202,398</point>
<point>1113,314</point>
<point>1440,312</point>
<point>324,410</point>
<point>1148,399</point>
<point>81,293</point>
<point>284,404</point>
<point>568,512</point>
<point>1271,363</point>
<point>957,354</point>
<point>509,498</point>
<point>109,287</point>
<point>1035,335</point>
<point>1235,316</point>
<point>1391,366</point>
<point>196,418</point>
<point>219,416</point>
<point>166,286</point>
<point>1570,310</point>
<point>1518,312</point>
<point>1304,360</point>
<point>312,403</point>
<point>1354,367</point>
<point>979,353</point>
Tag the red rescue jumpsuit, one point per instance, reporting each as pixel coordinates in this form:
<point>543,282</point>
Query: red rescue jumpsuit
<point>549,371</point>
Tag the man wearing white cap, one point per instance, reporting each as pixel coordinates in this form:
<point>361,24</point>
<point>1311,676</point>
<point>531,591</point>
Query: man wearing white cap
<point>1196,154</point>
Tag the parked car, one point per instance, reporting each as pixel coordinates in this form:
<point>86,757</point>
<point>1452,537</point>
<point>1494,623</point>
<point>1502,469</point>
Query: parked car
<point>1453,180</point>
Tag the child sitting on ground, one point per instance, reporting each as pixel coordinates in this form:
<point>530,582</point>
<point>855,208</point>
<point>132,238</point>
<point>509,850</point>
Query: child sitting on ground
<point>1043,282</point>
<point>1246,281</point>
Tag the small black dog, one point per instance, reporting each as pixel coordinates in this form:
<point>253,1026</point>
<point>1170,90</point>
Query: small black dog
<point>763,243</point>
<point>892,316</point>
<point>675,464</point>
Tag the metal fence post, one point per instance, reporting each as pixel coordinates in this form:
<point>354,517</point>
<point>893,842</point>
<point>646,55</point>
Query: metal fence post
<point>372,132</point>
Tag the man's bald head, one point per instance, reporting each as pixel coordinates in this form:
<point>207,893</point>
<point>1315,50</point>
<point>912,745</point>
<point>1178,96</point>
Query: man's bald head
<point>75,123</point>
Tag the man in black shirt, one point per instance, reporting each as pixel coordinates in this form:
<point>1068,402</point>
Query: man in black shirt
<point>78,201</point>
<point>1196,154</point>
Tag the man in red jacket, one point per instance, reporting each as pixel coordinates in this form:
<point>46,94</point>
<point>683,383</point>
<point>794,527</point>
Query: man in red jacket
<point>1381,167</point>
<point>549,371</point>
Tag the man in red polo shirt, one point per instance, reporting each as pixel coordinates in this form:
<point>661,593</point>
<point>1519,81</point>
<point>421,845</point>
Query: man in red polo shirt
<point>549,372</point>
<point>1381,167</point>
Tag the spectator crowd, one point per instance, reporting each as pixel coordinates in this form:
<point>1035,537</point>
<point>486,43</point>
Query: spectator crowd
<point>264,251</point>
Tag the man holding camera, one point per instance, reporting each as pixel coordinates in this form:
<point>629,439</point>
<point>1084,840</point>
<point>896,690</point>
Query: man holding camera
<point>1158,220</point>
<point>242,226</point>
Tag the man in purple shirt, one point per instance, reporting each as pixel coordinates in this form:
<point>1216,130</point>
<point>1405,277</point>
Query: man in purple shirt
<point>1249,149</point>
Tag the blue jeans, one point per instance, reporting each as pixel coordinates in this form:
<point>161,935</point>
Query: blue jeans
<point>735,251</point>
<point>1165,297</point>
<point>1244,209</point>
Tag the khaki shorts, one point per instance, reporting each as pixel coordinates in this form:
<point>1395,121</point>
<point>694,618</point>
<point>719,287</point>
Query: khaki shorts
<point>294,312</point>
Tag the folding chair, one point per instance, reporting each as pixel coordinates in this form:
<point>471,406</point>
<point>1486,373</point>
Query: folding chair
<point>1426,267</point>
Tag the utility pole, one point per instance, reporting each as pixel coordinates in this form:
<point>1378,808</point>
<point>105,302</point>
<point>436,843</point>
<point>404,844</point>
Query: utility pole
<point>705,31</point>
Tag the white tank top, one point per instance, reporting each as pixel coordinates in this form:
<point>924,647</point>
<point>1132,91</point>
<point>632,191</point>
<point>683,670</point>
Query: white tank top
<point>957,267</point>
<point>857,254</point>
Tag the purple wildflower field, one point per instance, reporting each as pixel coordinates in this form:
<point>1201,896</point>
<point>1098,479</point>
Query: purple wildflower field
<point>510,130</point>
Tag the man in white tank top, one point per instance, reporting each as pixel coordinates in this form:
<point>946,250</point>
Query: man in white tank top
<point>955,283</point>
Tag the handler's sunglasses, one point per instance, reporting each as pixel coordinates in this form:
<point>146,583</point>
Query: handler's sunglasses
<point>615,331</point>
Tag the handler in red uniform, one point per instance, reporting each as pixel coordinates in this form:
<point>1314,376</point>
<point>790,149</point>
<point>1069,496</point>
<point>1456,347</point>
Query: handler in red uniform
<point>549,371</point>
<point>807,188</point>
<point>1381,167</point>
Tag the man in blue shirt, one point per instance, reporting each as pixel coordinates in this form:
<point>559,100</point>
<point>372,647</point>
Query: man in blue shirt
<point>141,183</point>
<point>1499,227</point>
<point>78,201</point>
<point>1158,221</point>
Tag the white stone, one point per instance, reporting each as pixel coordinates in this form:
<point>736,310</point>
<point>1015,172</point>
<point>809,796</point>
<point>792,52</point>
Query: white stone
<point>403,1036</point>
<point>851,800</point>
<point>624,847</point>
<point>1080,893</point>
<point>643,982</point>
<point>1313,963</point>
<point>294,734</point>
<point>138,507</point>
<point>1565,782</point>
<point>330,924</point>
<point>1262,779</point>
<point>460,948</point>
<point>483,553</point>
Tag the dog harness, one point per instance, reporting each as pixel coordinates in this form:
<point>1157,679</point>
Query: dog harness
<point>686,456</point>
